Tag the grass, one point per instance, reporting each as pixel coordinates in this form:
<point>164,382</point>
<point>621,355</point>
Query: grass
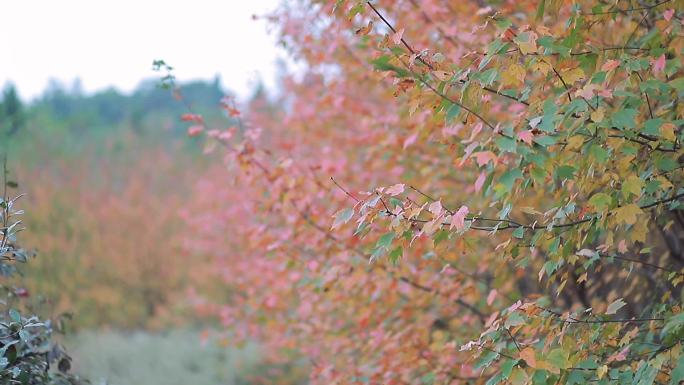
<point>176,357</point>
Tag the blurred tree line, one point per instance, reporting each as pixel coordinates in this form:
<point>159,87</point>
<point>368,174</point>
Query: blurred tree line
<point>103,174</point>
<point>65,118</point>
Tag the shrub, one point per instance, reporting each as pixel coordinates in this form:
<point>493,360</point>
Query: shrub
<point>506,203</point>
<point>28,353</point>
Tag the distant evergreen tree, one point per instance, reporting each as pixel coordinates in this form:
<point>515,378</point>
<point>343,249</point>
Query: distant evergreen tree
<point>12,116</point>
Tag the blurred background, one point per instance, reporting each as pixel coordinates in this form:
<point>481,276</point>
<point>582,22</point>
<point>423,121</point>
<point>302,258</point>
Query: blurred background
<point>108,172</point>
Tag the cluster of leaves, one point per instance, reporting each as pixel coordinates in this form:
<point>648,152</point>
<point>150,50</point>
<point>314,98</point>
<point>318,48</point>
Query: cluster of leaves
<point>520,218</point>
<point>27,349</point>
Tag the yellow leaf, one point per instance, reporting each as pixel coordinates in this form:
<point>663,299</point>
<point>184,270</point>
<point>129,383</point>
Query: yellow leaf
<point>548,366</point>
<point>632,185</point>
<point>573,75</point>
<point>529,45</point>
<point>667,131</point>
<point>541,67</point>
<point>582,278</point>
<point>513,76</point>
<point>575,142</point>
<point>527,354</point>
<point>601,371</point>
<point>665,184</point>
<point>639,231</point>
<point>677,280</point>
<point>598,114</point>
<point>529,210</point>
<point>627,214</point>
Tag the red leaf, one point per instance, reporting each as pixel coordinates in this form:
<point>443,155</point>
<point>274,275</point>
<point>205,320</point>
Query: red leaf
<point>480,181</point>
<point>526,136</point>
<point>458,220</point>
<point>192,118</point>
<point>610,65</point>
<point>659,64</point>
<point>195,130</point>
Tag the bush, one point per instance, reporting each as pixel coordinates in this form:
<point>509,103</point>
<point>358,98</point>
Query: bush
<point>506,202</point>
<point>28,353</point>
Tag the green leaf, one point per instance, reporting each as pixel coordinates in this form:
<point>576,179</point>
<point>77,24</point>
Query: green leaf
<point>677,84</point>
<point>386,240</point>
<point>508,178</point>
<point>677,374</point>
<point>600,201</point>
<point>14,315</point>
<point>519,232</point>
<point>540,10</point>
<point>599,153</point>
<point>487,78</point>
<point>382,63</point>
<point>625,118</point>
<point>453,112</point>
<point>355,10</point>
<point>341,217</point>
<point>559,358</point>
<point>514,319</point>
<point>396,254</point>
<point>565,172</point>
<point>673,328</point>
<point>545,140</point>
<point>494,48</point>
<point>646,374</point>
<point>506,144</point>
<point>666,164</point>
<point>652,126</point>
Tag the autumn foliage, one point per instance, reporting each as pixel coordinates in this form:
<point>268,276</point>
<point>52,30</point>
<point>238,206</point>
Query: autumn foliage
<point>459,193</point>
<point>116,257</point>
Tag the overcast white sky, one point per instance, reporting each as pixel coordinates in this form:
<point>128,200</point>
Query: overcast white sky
<point>113,43</point>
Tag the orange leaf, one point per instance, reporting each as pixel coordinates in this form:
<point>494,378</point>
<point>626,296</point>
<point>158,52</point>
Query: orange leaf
<point>527,354</point>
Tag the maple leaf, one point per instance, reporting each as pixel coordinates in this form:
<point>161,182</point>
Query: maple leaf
<point>458,219</point>
<point>513,76</point>
<point>341,217</point>
<point>610,65</point>
<point>483,157</point>
<point>528,355</point>
<point>527,42</point>
<point>526,136</point>
<point>436,208</point>
<point>627,214</point>
<point>573,75</point>
<point>395,190</point>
